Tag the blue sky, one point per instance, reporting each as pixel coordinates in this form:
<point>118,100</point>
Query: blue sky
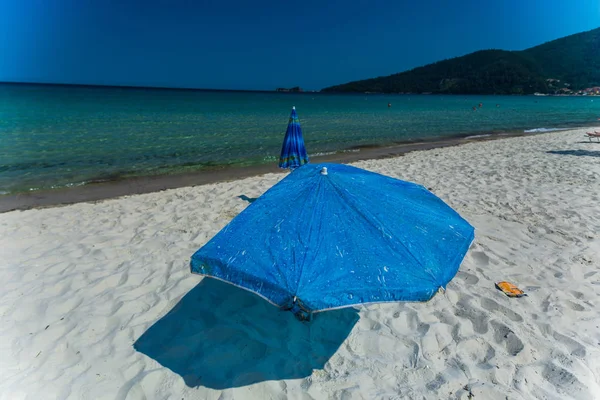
<point>262,45</point>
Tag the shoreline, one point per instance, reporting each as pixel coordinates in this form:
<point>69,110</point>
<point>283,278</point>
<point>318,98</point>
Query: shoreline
<point>98,191</point>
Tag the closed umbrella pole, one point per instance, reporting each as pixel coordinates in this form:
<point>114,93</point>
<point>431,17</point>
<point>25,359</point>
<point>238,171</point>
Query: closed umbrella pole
<point>293,153</point>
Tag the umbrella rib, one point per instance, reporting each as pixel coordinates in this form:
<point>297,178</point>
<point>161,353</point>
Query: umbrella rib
<point>370,221</point>
<point>309,225</point>
<point>299,195</point>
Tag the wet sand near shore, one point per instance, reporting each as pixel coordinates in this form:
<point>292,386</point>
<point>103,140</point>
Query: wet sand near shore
<point>139,185</point>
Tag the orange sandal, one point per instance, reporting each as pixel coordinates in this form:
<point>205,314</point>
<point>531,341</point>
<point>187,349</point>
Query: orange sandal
<point>510,290</point>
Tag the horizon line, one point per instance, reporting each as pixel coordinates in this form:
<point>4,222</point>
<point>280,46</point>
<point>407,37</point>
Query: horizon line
<point>112,86</point>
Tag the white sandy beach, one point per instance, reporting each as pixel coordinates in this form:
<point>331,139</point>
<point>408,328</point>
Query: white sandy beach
<point>86,290</point>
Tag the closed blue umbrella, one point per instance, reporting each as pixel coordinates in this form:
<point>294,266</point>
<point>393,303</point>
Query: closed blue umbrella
<point>293,152</point>
<point>331,236</point>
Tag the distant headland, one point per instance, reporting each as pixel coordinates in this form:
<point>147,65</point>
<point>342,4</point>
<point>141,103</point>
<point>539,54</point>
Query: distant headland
<point>566,66</point>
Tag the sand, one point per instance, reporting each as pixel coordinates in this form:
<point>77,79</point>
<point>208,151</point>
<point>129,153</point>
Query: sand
<point>97,300</point>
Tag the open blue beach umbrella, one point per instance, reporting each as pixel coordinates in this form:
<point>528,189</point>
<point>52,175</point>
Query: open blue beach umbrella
<point>293,152</point>
<point>331,236</point>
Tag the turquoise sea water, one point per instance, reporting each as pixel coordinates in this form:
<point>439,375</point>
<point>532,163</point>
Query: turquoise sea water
<point>56,136</point>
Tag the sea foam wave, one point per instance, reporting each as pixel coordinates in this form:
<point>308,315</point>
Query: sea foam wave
<point>328,153</point>
<point>478,136</point>
<point>536,130</point>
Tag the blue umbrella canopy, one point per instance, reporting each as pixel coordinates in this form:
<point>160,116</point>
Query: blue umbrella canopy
<point>331,236</point>
<point>293,152</point>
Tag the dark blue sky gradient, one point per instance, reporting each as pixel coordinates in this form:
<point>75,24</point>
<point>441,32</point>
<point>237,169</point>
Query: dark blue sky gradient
<point>239,44</point>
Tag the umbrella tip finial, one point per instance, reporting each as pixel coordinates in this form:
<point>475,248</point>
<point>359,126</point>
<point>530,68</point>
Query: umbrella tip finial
<point>293,107</point>
<point>324,171</point>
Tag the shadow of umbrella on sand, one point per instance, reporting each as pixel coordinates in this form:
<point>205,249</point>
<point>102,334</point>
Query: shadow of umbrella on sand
<point>220,336</point>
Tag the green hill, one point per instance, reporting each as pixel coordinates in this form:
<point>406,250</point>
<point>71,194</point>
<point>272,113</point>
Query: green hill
<point>574,60</point>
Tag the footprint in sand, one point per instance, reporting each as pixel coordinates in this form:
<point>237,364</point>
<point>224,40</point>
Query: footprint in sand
<point>492,306</point>
<point>503,334</point>
<point>574,347</point>
<point>406,322</point>
<point>590,274</point>
<point>436,341</point>
<point>435,384</point>
<point>577,295</point>
<point>478,318</point>
<point>467,278</point>
<point>574,306</point>
<point>561,378</point>
<point>583,259</point>
<point>481,259</point>
<point>476,350</point>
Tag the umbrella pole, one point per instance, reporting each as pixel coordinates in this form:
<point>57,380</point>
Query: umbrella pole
<point>299,311</point>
